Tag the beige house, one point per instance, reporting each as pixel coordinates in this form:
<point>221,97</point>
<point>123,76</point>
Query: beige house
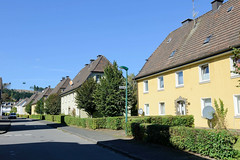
<point>95,69</point>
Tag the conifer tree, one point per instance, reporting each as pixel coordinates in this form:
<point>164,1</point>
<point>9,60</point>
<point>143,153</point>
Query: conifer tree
<point>84,97</point>
<point>109,99</point>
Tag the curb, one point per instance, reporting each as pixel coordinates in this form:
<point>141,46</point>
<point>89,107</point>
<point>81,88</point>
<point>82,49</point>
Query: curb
<point>102,144</point>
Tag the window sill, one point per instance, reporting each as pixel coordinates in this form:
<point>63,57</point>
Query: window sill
<point>205,81</point>
<point>145,92</point>
<point>235,76</point>
<point>161,89</point>
<point>237,117</point>
<point>180,86</point>
<point>162,114</point>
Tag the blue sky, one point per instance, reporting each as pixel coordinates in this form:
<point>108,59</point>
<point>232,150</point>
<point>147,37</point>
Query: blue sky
<point>43,40</point>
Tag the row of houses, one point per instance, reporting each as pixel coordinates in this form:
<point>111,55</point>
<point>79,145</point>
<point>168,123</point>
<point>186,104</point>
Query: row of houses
<point>186,73</point>
<point>66,88</point>
<point>192,67</point>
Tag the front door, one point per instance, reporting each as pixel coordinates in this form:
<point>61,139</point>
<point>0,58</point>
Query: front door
<point>181,108</point>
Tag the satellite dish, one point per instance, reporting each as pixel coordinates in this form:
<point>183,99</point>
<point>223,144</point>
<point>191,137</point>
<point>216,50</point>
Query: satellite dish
<point>140,111</point>
<point>208,112</point>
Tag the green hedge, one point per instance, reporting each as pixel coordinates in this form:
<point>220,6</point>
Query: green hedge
<point>23,116</point>
<point>115,123</point>
<point>187,120</point>
<point>37,116</point>
<point>49,118</point>
<point>213,143</point>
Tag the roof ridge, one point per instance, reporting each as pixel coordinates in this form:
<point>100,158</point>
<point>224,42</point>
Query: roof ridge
<point>97,63</point>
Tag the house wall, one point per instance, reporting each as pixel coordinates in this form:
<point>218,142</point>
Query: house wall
<point>33,109</point>
<point>221,85</point>
<point>68,105</point>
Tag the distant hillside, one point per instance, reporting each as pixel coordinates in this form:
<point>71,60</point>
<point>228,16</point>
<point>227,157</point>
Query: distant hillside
<point>22,90</point>
<point>10,95</point>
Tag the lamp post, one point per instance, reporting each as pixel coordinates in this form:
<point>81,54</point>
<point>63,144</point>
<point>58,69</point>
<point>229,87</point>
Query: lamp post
<point>126,107</point>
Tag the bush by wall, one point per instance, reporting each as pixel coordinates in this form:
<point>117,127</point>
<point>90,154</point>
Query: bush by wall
<point>23,116</point>
<point>115,123</point>
<point>187,120</point>
<point>37,116</point>
<point>213,143</point>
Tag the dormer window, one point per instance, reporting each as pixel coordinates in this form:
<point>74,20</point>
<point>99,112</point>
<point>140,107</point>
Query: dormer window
<point>207,39</point>
<point>230,9</point>
<point>169,40</point>
<point>172,54</point>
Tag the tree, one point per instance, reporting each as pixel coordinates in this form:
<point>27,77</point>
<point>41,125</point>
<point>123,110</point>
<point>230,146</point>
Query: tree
<point>28,108</point>
<point>84,97</point>
<point>13,110</point>
<point>53,104</point>
<point>220,113</point>
<point>40,107</point>
<point>108,98</point>
<point>36,88</point>
<point>132,95</point>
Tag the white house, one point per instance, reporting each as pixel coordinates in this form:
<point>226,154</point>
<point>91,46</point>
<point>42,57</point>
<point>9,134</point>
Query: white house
<point>95,69</point>
<point>20,105</point>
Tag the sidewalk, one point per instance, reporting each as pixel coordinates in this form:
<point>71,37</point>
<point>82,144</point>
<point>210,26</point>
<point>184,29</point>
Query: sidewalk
<point>118,142</point>
<point>4,125</point>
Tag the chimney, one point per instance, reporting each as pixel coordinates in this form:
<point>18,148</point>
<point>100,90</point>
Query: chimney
<point>63,78</point>
<point>67,76</point>
<point>99,56</point>
<point>86,64</point>
<point>216,4</point>
<point>91,60</point>
<point>186,21</point>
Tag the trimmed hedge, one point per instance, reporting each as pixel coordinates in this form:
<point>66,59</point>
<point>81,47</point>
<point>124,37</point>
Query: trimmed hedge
<point>213,143</point>
<point>115,123</point>
<point>23,116</point>
<point>41,117</point>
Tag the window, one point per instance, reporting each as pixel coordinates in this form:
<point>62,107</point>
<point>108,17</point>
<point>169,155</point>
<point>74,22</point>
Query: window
<point>181,108</point>
<point>207,39</point>
<point>204,73</point>
<point>205,102</point>
<point>230,9</point>
<point>172,54</point>
<point>169,40</point>
<point>161,108</point>
<point>236,100</point>
<point>232,68</point>
<point>98,77</point>
<point>179,79</point>
<point>160,83</point>
<point>145,86</point>
<point>146,109</point>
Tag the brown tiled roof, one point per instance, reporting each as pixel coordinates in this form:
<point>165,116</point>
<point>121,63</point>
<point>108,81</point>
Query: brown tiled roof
<point>32,98</point>
<point>96,66</point>
<point>188,40</point>
<point>44,93</point>
<point>61,85</point>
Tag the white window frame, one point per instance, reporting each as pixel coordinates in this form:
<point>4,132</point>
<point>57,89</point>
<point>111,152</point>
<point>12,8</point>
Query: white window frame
<point>144,86</point>
<point>201,80</point>
<point>236,112</point>
<point>160,112</point>
<point>202,103</point>
<point>159,83</point>
<point>145,109</point>
<point>233,75</point>
<point>176,79</point>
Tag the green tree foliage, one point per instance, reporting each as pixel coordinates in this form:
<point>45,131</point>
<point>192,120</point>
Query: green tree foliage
<point>108,98</point>
<point>53,104</point>
<point>84,97</point>
<point>28,108</point>
<point>37,88</point>
<point>10,95</point>
<point>40,107</point>
<point>13,110</point>
<point>132,95</point>
<point>221,113</point>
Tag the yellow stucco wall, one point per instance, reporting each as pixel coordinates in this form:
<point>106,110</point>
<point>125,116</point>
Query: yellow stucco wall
<point>221,85</point>
<point>33,109</point>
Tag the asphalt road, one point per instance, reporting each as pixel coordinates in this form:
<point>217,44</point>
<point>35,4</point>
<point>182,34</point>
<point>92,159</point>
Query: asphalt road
<point>32,140</point>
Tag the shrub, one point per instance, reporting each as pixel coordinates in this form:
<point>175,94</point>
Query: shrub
<point>57,118</point>
<point>213,143</point>
<point>37,116</point>
<point>49,118</point>
<point>24,116</point>
<point>114,123</point>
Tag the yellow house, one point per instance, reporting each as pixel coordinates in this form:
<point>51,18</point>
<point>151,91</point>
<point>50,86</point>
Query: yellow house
<point>192,67</point>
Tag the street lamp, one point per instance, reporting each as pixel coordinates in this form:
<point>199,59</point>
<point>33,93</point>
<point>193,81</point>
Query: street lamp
<point>126,107</point>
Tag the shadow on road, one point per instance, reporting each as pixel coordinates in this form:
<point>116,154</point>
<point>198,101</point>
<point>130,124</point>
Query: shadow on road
<point>56,151</point>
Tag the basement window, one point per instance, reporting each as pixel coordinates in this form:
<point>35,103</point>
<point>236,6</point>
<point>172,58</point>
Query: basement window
<point>230,9</point>
<point>172,54</point>
<point>207,39</point>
